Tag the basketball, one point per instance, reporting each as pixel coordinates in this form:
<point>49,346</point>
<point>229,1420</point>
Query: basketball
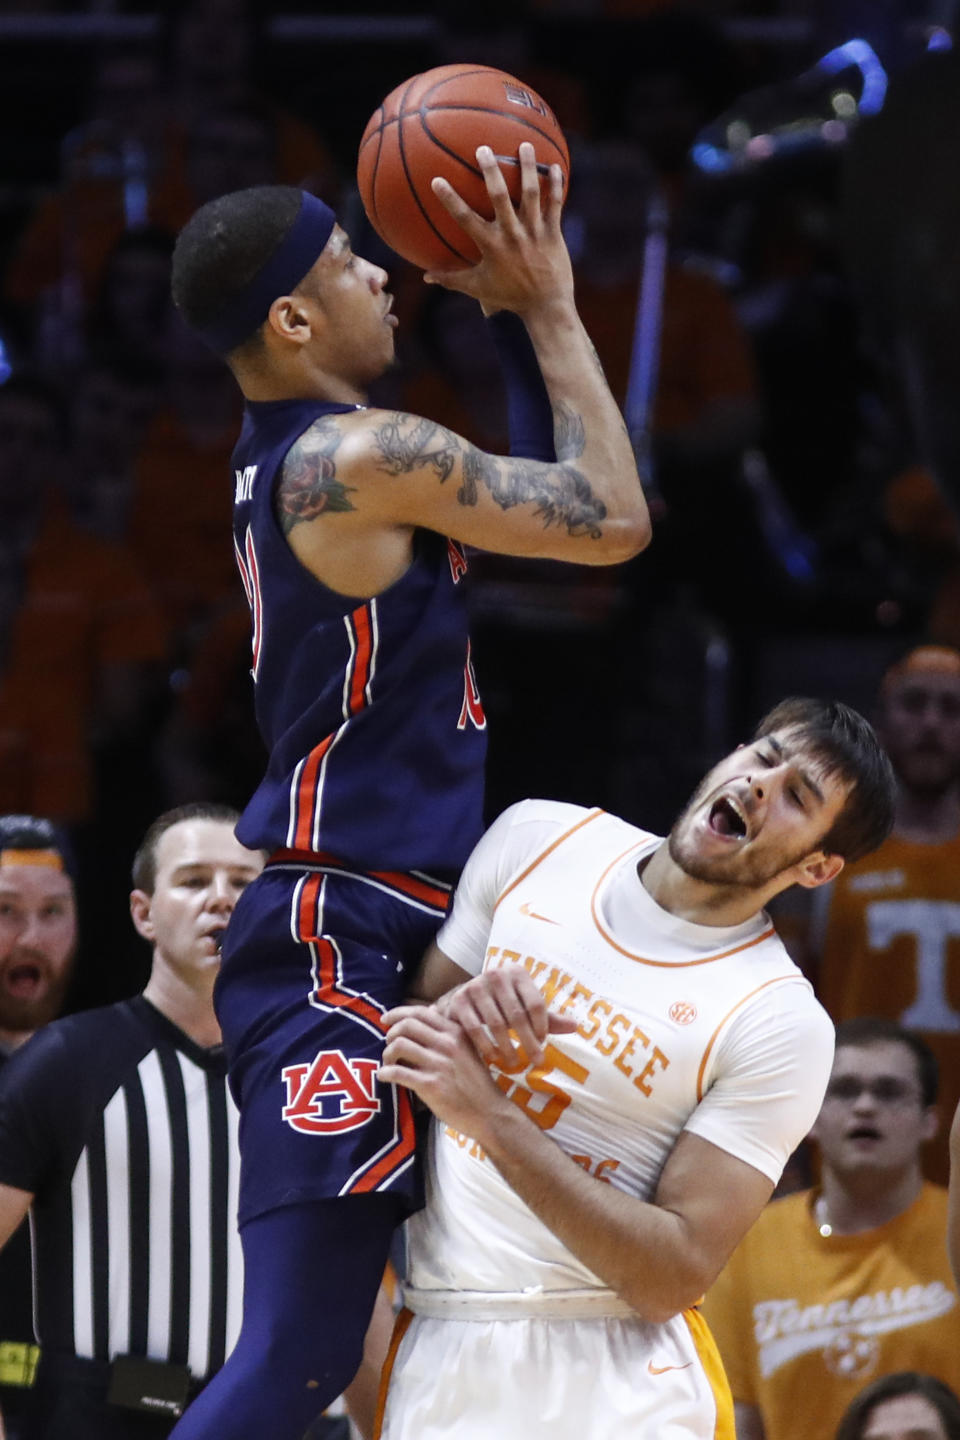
<point>431,125</point>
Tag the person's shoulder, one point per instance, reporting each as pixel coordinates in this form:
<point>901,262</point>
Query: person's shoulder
<point>558,814</point>
<point>791,1000</point>
<point>75,1039</point>
<point>535,822</point>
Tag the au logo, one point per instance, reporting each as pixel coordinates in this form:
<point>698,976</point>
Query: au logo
<point>681,1012</point>
<point>331,1095</point>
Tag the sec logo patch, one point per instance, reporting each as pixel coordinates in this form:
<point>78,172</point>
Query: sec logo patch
<point>681,1012</point>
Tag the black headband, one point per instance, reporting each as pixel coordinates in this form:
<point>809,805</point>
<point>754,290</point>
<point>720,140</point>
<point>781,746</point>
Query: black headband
<point>294,256</point>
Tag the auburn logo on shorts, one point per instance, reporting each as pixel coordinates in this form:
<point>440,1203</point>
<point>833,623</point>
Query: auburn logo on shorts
<point>330,1095</point>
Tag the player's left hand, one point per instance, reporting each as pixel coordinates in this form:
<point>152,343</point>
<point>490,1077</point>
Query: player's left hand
<point>503,1014</point>
<point>431,1055</point>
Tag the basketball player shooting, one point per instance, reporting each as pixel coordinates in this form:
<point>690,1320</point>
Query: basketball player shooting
<point>350,525</point>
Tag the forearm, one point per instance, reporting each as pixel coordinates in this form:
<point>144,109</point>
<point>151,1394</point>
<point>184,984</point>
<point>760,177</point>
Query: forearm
<point>640,1250</point>
<point>589,431</point>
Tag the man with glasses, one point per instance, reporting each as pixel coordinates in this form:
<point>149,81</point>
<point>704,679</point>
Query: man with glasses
<point>837,1285</point>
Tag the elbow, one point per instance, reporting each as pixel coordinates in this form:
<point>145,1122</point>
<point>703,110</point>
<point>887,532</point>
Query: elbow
<point>623,538</point>
<point>657,1299</point>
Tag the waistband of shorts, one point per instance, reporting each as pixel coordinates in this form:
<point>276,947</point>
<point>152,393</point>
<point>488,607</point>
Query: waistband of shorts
<point>593,1304</point>
<point>431,891</point>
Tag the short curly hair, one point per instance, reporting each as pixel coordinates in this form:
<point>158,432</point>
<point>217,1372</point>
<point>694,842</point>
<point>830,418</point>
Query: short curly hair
<point>223,246</point>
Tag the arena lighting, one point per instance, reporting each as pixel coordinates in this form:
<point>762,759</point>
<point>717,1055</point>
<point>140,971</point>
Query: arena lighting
<point>807,112</point>
<point>859,53</point>
<point>940,39</point>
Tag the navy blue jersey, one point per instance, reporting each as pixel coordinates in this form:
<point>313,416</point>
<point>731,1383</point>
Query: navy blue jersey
<point>369,708</point>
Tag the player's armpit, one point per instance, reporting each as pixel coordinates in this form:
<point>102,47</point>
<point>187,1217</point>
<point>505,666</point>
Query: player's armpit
<point>14,1205</point>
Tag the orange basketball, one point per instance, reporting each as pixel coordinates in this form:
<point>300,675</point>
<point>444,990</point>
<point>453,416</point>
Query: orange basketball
<point>431,125</point>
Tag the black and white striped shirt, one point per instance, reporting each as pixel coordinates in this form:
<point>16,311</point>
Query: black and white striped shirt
<point>125,1132</point>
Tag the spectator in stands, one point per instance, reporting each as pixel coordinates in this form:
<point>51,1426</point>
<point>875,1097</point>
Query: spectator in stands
<point>38,942</point>
<point>131,311</point>
<point>841,1283</point>
<point>81,636</point>
<point>885,936</point>
<point>179,517</point>
<point>111,404</point>
<point>907,1405</point>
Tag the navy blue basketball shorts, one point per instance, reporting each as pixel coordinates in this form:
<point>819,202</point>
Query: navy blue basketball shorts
<point>313,957</point>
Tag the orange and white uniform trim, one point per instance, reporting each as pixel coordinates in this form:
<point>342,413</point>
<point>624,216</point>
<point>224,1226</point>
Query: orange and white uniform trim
<point>681,1026</point>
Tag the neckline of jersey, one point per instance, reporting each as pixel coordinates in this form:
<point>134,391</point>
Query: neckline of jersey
<point>714,942</point>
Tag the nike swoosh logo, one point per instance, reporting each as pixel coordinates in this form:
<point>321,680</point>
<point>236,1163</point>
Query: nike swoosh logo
<point>662,1369</point>
<point>525,910</point>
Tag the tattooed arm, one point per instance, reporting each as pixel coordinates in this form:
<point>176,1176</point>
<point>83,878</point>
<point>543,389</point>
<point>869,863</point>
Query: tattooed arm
<point>357,484</point>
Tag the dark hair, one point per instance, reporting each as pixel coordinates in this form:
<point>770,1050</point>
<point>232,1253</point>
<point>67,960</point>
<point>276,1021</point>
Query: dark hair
<point>845,744</point>
<point>864,1030</point>
<point>35,832</point>
<point>145,861</point>
<point>225,244</point>
<point>889,1387</point>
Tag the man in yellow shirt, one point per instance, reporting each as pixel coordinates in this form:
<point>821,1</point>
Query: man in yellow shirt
<point>837,1285</point>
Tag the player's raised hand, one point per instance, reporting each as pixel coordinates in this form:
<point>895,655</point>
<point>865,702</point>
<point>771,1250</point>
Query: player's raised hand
<point>524,258</point>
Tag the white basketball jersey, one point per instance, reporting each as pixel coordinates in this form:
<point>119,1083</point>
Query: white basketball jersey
<point>681,1026</point>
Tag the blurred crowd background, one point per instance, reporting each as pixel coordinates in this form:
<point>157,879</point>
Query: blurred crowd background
<point>802,540</point>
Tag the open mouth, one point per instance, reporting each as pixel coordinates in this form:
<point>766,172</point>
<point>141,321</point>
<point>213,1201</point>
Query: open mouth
<point>863,1132</point>
<point>727,820</point>
<point>23,980</point>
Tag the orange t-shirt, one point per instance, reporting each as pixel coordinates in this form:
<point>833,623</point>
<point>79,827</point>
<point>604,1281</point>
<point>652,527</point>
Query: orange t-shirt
<point>803,1321</point>
<point>888,941</point>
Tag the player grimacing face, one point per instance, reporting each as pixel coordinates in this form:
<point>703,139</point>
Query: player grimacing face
<point>201,872</point>
<point>38,938</point>
<point>757,815</point>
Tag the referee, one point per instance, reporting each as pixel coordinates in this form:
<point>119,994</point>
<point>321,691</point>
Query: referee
<point>118,1132</point>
